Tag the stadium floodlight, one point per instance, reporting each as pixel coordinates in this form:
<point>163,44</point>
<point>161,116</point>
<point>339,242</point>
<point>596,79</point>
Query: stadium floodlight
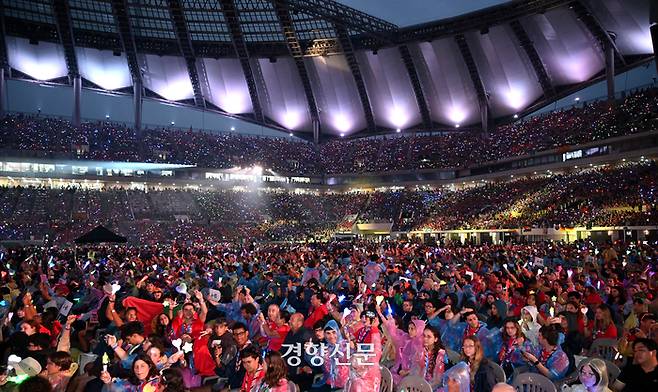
<point>232,128</point>
<point>456,125</point>
<point>291,119</point>
<point>42,62</point>
<point>398,117</point>
<point>516,116</point>
<point>290,134</point>
<point>398,130</point>
<point>342,134</point>
<point>514,98</point>
<point>341,122</point>
<point>456,115</point>
<point>577,99</point>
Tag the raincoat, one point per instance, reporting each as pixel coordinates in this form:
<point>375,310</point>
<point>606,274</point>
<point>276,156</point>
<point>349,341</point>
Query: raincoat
<point>406,347</point>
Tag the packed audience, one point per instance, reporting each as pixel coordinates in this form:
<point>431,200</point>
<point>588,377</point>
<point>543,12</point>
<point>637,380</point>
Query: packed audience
<point>231,316</point>
<point>636,113</point>
<point>621,195</point>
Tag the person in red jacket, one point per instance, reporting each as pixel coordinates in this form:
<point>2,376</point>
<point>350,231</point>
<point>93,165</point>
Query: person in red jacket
<point>602,327</point>
<point>188,323</point>
<point>318,310</point>
<point>592,297</point>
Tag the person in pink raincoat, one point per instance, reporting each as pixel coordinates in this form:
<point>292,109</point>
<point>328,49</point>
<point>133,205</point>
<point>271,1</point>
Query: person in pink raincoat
<point>406,344</point>
<point>429,361</point>
<point>365,375</point>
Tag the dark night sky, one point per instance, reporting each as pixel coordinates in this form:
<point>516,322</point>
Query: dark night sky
<point>409,12</point>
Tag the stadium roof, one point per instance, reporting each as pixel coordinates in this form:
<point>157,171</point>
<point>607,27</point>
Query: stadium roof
<point>411,12</point>
<point>284,63</point>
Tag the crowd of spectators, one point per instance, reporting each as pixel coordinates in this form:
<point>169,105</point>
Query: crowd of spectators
<point>231,316</point>
<point>613,195</point>
<point>637,112</point>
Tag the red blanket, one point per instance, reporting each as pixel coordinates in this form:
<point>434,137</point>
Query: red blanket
<point>146,311</point>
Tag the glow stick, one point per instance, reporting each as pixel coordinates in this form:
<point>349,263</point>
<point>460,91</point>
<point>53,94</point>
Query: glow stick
<point>106,361</point>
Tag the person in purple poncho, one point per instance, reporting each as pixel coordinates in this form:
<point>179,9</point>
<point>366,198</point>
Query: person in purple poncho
<point>407,344</point>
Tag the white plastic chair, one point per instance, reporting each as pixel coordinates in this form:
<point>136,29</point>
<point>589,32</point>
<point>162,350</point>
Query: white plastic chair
<point>604,349</point>
<point>414,384</point>
<point>387,380</point>
<point>498,371</point>
<point>533,382</point>
<point>84,359</point>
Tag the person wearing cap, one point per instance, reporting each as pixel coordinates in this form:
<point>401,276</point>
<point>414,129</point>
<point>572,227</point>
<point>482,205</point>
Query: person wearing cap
<point>26,367</point>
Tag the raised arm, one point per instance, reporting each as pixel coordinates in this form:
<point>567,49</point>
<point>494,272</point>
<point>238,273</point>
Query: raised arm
<point>64,343</point>
<point>112,314</point>
<point>203,311</point>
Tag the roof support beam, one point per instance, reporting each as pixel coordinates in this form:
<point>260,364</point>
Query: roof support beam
<point>415,83</point>
<point>476,79</point>
<point>347,18</point>
<point>4,63</point>
<point>4,60</point>
<point>62,15</point>
<point>605,38</point>
<point>478,20</point>
<point>231,16</point>
<point>185,44</point>
<point>348,51</point>
<point>122,21</point>
<point>295,50</point>
<point>537,64</point>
